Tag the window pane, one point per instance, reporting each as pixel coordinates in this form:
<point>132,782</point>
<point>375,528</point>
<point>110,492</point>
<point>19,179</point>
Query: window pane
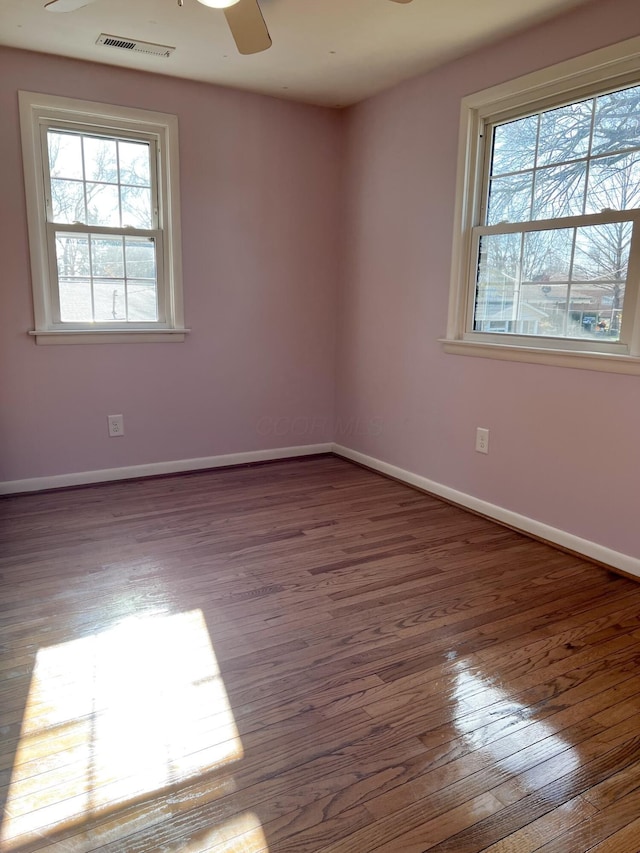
<point>134,163</point>
<point>584,319</point>
<point>546,268</point>
<point>617,121</point>
<point>547,256</point>
<point>559,191</point>
<point>72,254</point>
<point>74,282</point>
<point>102,260</point>
<point>140,258</point>
<point>65,155</point>
<point>136,207</point>
<point>107,257</point>
<point>75,300</point>
<point>142,300</point>
<point>497,276</point>
<point>564,133</point>
<point>103,207</point>
<point>510,199</point>
<point>542,309</point>
<point>100,160</point>
<point>600,273</point>
<point>514,145</point>
<point>499,258</point>
<point>614,183</point>
<point>67,201</point>
<point>109,300</point>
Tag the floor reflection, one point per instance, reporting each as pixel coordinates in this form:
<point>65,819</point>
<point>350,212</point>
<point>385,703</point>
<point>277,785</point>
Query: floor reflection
<point>471,690</point>
<point>241,834</point>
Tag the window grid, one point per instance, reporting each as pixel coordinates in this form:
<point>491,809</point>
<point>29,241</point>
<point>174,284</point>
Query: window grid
<point>118,183</point>
<point>537,168</point>
<point>541,166</point>
<point>130,279</point>
<point>66,312</point>
<point>516,302</point>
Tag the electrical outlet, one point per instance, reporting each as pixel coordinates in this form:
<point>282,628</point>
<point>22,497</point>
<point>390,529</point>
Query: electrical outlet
<point>482,440</point>
<point>116,425</point>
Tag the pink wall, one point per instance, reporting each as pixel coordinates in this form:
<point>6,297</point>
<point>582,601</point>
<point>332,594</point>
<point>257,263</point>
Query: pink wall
<point>259,183</point>
<point>564,443</point>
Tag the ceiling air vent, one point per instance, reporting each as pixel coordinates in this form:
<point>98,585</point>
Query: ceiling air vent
<point>135,46</point>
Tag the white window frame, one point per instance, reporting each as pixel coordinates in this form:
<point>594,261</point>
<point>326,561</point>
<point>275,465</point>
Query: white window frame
<point>568,82</point>
<point>37,112</point>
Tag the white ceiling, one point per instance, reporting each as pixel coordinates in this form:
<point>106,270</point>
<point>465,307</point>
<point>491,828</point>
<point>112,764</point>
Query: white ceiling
<point>329,52</point>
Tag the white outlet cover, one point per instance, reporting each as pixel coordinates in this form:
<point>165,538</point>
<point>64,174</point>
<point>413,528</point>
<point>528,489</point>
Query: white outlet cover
<point>482,440</point>
<point>116,425</point>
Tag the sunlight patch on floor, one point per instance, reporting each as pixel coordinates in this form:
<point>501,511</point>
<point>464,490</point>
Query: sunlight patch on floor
<point>115,717</point>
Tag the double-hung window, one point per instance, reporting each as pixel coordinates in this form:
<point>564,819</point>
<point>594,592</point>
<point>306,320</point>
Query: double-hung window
<point>103,213</point>
<point>547,253</point>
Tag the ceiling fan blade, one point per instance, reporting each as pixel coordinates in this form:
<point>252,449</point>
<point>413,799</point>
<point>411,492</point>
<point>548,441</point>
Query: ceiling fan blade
<point>247,26</point>
<point>66,5</point>
<point>402,1</point>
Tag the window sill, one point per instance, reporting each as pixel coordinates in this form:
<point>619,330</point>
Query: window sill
<point>605,362</point>
<point>109,336</point>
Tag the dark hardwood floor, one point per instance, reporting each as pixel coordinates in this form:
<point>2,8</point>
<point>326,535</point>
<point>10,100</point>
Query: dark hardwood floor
<point>304,657</point>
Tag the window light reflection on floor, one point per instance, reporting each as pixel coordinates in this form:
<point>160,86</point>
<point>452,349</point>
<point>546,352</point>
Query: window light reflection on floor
<point>240,834</point>
<point>507,727</point>
<point>113,718</point>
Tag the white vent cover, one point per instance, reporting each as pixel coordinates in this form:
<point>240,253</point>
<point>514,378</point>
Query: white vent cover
<point>134,46</point>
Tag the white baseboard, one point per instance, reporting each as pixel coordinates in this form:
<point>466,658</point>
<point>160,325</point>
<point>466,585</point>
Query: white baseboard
<point>153,469</point>
<point>585,547</point>
<point>592,550</point>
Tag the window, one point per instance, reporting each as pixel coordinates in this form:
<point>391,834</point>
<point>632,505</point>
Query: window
<point>547,255</point>
<point>103,213</point>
